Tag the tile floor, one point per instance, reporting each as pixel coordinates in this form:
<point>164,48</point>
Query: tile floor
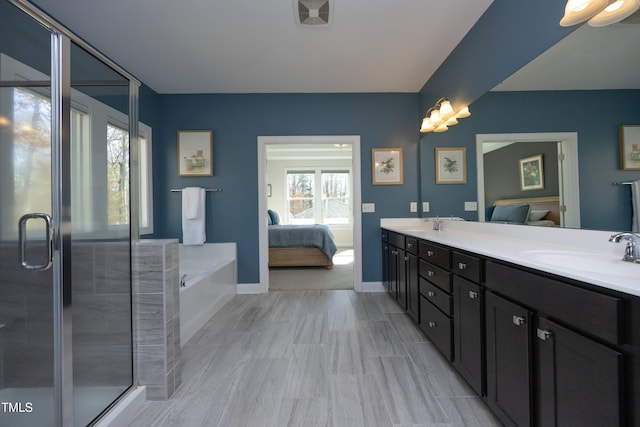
<point>315,358</point>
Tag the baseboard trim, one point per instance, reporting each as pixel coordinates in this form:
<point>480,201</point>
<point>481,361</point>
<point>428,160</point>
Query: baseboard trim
<point>249,288</point>
<point>373,287</point>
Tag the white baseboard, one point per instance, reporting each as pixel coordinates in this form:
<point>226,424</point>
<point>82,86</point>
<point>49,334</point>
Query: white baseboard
<point>373,287</point>
<point>250,288</point>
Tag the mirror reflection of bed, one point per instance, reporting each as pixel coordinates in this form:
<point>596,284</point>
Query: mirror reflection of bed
<point>305,256</point>
<point>539,211</point>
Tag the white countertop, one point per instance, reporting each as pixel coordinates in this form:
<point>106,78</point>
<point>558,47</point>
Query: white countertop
<point>583,255</point>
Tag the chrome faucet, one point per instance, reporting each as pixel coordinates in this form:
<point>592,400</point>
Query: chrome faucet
<point>632,250</point>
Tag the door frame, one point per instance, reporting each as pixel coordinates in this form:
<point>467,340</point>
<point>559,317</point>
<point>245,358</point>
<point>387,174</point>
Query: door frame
<point>263,238</point>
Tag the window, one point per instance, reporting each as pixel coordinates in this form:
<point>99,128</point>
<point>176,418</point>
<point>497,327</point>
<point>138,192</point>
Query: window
<point>146,179</point>
<point>300,193</point>
<point>117,175</point>
<point>328,189</point>
<point>336,200</point>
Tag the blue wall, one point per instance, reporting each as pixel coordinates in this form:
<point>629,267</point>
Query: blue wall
<point>594,115</point>
<point>507,36</point>
<point>382,120</point>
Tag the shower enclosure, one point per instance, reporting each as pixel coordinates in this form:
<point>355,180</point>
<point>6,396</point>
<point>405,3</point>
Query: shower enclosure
<point>67,119</point>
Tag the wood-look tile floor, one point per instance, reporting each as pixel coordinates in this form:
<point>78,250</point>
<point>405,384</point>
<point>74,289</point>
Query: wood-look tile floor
<point>315,358</point>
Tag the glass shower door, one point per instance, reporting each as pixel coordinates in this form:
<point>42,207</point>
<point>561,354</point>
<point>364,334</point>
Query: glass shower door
<point>100,235</point>
<point>26,275</point>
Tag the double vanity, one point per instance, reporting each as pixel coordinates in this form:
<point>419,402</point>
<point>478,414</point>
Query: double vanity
<point>543,324</point>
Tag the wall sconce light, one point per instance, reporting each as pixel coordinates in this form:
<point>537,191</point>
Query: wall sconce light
<point>598,12</point>
<point>441,116</point>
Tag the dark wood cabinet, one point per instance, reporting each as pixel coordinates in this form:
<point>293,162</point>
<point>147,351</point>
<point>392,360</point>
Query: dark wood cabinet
<point>386,253</point>
<point>401,278</point>
<point>413,290</point>
<point>437,326</point>
<point>540,349</point>
<point>434,287</point>
<point>579,381</point>
<point>468,331</point>
<point>508,349</point>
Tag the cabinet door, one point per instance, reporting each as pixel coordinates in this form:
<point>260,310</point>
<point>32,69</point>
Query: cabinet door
<point>468,332</point>
<point>413,291</point>
<point>393,272</point>
<point>402,278</point>
<point>385,264</point>
<point>508,343</point>
<point>578,379</point>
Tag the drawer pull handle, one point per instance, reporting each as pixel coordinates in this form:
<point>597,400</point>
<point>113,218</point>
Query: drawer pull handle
<point>518,320</point>
<point>543,335</point>
<point>432,324</point>
<point>473,294</point>
<point>430,253</point>
<point>431,294</point>
<point>406,258</point>
<point>431,273</point>
<point>409,245</point>
<point>462,266</point>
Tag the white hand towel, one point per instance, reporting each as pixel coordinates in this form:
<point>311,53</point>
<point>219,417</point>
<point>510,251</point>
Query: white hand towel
<point>635,201</point>
<point>193,216</point>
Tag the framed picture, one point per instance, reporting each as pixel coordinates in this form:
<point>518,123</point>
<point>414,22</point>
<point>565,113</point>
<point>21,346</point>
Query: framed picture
<point>630,147</point>
<point>451,165</point>
<point>387,166</point>
<point>531,173</point>
<point>195,153</point>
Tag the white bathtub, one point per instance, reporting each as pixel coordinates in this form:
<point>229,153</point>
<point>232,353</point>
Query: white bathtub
<point>211,279</point>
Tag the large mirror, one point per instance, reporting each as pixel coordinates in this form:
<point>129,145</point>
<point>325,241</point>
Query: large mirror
<point>570,101</point>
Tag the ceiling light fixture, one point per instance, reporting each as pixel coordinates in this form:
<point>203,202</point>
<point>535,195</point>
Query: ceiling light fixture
<point>441,116</point>
<point>598,12</point>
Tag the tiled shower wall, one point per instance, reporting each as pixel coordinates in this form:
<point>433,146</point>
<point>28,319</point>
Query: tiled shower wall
<point>156,319</point>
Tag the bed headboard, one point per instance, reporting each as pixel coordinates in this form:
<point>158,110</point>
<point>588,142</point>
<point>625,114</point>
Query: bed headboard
<point>550,203</point>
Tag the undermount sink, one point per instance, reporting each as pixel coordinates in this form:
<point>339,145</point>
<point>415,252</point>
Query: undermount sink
<point>578,261</point>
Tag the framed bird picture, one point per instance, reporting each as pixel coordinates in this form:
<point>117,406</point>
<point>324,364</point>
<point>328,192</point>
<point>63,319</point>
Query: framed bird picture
<point>451,165</point>
<point>387,166</point>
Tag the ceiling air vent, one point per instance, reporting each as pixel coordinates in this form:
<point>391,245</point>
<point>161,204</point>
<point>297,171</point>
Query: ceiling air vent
<point>313,13</point>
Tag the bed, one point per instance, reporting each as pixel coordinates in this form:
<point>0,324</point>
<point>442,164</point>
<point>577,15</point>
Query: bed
<point>300,245</point>
<point>540,211</point>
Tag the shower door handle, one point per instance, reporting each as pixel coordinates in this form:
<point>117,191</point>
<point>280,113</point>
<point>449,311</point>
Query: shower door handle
<point>48,241</point>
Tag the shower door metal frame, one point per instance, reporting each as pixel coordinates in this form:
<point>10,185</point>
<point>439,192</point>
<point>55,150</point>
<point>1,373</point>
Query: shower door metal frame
<point>61,39</point>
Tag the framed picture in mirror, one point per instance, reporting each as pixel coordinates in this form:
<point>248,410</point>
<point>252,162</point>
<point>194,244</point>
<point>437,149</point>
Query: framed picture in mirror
<point>630,147</point>
<point>531,173</point>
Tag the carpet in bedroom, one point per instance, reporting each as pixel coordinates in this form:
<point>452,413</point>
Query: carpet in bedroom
<point>339,277</point>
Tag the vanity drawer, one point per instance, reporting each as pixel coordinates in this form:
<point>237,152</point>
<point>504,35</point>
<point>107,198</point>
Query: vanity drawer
<point>435,254</point>
<point>467,266</point>
<point>592,312</point>
<point>435,275</point>
<point>396,239</point>
<point>411,245</point>
<point>437,296</point>
<point>436,326</point>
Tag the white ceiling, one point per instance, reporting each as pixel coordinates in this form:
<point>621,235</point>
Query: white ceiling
<point>588,58</point>
<point>248,46</point>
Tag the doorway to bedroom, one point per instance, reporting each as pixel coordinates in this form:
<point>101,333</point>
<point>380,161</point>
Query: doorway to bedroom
<point>310,181</point>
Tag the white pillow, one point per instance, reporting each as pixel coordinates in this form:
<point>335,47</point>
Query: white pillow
<point>535,215</point>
